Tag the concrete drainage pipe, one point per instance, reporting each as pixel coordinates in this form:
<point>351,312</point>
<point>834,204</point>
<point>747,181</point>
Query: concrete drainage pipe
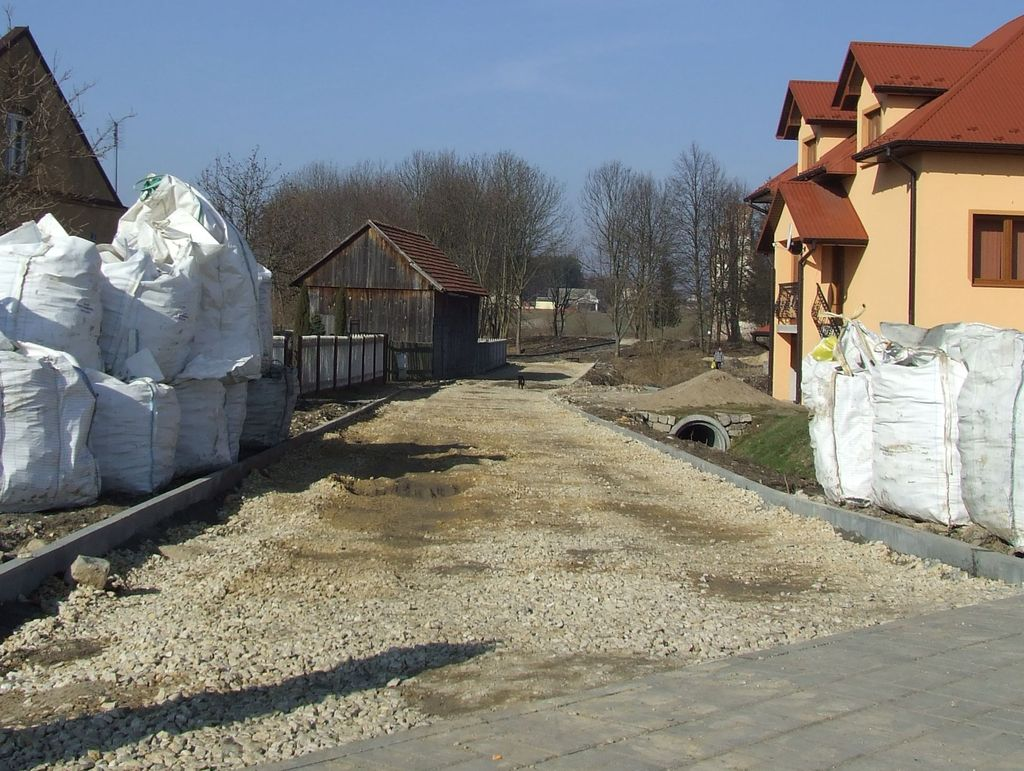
<point>703,429</point>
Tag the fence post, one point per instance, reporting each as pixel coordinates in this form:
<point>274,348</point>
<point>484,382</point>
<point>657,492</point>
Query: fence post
<point>334,367</point>
<point>362,359</point>
<point>317,364</point>
<point>350,359</point>
<point>298,359</point>
<point>386,364</point>
<point>373,364</point>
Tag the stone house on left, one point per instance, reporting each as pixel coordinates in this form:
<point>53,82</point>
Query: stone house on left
<point>47,163</point>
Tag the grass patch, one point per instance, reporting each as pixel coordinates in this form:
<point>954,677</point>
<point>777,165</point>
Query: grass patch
<point>779,441</point>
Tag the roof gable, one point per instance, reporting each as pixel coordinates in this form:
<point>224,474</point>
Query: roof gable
<point>8,45</point>
<point>902,68</point>
<point>810,100</point>
<point>417,250</point>
<point>983,110</point>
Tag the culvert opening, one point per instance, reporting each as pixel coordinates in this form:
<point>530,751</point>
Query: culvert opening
<point>703,429</point>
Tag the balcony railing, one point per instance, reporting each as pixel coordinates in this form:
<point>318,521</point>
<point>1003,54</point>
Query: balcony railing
<point>786,303</point>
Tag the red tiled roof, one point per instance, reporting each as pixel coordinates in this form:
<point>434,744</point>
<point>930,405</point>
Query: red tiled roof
<point>430,260</point>
<point>1001,36</point>
<point>765,191</point>
<point>813,102</point>
<point>838,161</point>
<point>983,110</point>
<point>902,68</point>
<point>421,253</point>
<point>821,214</point>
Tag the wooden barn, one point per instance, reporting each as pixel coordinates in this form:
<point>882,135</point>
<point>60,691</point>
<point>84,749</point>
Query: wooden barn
<point>386,279</point>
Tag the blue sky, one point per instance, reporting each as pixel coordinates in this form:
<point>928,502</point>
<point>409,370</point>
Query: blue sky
<point>567,84</point>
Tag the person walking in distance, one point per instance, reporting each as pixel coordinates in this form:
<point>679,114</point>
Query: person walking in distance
<point>719,358</point>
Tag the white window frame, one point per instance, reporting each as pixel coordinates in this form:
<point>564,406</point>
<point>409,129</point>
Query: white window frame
<point>16,152</point>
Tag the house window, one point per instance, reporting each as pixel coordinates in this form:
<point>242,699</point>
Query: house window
<point>16,151</point>
<point>810,149</point>
<point>872,125</point>
<point>997,249</point>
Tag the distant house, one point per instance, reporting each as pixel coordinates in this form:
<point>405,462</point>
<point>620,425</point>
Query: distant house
<point>579,298</point>
<point>387,279</point>
<point>46,158</point>
<point>906,197</point>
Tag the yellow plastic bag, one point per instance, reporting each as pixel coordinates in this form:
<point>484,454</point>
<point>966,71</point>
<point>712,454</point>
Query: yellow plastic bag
<point>825,350</point>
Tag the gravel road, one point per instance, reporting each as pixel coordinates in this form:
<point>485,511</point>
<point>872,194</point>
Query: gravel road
<point>466,548</point>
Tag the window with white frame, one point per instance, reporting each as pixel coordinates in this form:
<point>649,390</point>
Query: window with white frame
<point>16,143</point>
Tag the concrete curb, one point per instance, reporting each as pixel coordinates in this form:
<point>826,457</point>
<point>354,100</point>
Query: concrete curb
<point>852,524</point>
<point>21,576</point>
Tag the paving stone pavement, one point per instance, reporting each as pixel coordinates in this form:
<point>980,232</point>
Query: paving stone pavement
<point>939,691</point>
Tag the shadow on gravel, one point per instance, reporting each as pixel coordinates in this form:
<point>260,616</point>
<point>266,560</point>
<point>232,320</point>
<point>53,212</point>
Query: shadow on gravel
<point>367,461</point>
<point>67,739</point>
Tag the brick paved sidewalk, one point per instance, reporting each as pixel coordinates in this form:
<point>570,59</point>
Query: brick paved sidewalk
<point>938,691</point>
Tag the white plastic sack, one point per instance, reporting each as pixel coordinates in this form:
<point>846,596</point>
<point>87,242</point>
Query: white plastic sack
<point>840,429</point>
<point>46,409</point>
<point>271,400</point>
<point>234,408</point>
<point>916,460</point>
<point>203,435</point>
<point>174,224</point>
<point>991,409</point>
<point>134,433</point>
<point>50,290</point>
<point>147,306</point>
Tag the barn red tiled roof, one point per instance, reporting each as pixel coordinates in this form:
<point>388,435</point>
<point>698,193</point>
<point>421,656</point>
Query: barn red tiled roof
<point>764,193</point>
<point>822,214</point>
<point>430,260</point>
<point>983,110</point>
<point>902,68</point>
<point>837,162</point>
<point>812,100</point>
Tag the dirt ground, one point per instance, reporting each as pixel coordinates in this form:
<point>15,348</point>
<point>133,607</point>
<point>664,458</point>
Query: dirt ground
<point>17,530</point>
<point>471,546</point>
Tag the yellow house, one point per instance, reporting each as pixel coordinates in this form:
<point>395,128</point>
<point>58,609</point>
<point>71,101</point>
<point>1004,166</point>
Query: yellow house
<point>906,202</point>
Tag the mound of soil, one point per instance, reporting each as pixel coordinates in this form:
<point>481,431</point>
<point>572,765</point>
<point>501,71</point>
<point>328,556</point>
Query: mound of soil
<point>713,388</point>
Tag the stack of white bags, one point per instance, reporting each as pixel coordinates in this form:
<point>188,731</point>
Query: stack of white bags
<point>923,423</point>
<point>126,365</point>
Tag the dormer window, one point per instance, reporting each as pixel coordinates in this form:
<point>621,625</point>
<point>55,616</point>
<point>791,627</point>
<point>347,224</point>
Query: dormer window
<point>809,153</point>
<point>872,125</point>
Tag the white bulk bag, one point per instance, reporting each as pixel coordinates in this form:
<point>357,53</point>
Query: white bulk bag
<point>46,409</point>
<point>916,460</point>
<point>840,429</point>
<point>50,290</point>
<point>234,409</point>
<point>146,306</point>
<point>175,224</point>
<point>991,409</point>
<point>134,433</point>
<point>203,434</point>
<point>271,400</point>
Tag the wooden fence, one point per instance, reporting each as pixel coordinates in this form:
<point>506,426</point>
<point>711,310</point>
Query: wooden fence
<point>326,362</point>
<point>491,354</point>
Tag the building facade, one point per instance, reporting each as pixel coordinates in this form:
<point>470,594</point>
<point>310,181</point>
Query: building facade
<point>906,203</point>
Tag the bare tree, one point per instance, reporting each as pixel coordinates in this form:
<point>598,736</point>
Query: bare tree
<point>240,189</point>
<point>559,275</point>
<point>695,185</point>
<point>605,202</point>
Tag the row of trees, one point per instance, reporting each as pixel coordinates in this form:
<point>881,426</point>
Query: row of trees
<point>655,245</point>
<point>497,216</point>
<point>688,237</point>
